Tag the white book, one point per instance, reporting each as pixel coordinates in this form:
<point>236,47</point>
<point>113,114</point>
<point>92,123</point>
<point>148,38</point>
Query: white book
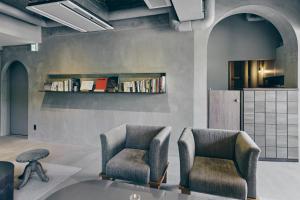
<point>54,86</point>
<point>86,85</point>
<point>133,86</point>
<point>60,86</point>
<point>66,85</point>
<point>163,84</point>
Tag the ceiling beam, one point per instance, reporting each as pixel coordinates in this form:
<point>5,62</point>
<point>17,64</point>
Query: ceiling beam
<point>135,13</point>
<point>15,28</point>
<point>16,13</point>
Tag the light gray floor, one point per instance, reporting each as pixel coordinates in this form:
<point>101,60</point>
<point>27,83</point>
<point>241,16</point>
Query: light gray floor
<point>276,181</point>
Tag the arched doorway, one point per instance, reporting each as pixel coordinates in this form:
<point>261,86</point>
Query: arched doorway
<point>270,144</point>
<point>14,99</point>
<point>238,45</point>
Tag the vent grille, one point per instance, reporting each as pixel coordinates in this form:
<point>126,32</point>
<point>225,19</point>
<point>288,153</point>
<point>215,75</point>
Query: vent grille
<point>152,4</point>
<point>70,14</point>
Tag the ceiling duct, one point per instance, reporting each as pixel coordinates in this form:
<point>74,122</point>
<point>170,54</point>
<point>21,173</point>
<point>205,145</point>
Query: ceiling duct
<point>153,4</point>
<point>70,14</point>
<point>189,9</point>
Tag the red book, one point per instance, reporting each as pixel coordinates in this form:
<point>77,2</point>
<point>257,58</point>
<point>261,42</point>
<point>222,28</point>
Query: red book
<point>100,85</point>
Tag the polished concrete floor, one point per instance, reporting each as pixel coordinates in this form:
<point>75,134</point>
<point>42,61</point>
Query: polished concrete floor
<point>276,180</point>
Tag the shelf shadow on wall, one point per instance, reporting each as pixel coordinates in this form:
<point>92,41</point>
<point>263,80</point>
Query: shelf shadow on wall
<point>102,101</point>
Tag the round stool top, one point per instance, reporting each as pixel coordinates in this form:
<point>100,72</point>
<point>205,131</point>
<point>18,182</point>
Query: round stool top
<point>6,168</point>
<point>32,155</point>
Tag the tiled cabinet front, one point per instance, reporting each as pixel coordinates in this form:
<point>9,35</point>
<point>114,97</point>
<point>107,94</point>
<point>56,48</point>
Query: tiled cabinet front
<point>271,119</point>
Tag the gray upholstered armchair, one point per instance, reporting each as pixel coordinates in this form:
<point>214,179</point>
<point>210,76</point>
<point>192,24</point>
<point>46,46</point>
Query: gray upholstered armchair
<point>219,162</point>
<point>136,153</point>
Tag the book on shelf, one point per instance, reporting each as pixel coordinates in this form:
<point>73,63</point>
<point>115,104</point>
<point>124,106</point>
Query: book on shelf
<point>150,85</point>
<point>112,84</point>
<point>47,86</point>
<point>108,84</point>
<point>100,85</point>
<point>86,86</point>
<point>162,84</point>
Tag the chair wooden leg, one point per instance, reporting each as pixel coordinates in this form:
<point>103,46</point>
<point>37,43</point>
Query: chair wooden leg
<point>155,185</point>
<point>184,190</point>
<point>250,198</point>
<point>103,176</point>
<point>165,178</point>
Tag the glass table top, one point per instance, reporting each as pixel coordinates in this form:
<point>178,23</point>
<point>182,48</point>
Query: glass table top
<point>109,190</point>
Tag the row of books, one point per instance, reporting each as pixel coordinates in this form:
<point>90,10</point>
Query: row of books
<point>66,85</point>
<point>111,84</point>
<point>155,85</point>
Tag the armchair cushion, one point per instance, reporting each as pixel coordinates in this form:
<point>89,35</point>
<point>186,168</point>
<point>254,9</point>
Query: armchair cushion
<point>217,176</point>
<point>215,143</point>
<point>130,164</point>
<point>140,137</point>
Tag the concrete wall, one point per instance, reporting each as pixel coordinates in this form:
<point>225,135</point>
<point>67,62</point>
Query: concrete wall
<point>80,118</point>
<point>235,39</point>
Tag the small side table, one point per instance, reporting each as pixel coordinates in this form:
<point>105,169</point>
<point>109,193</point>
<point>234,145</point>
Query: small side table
<point>32,156</point>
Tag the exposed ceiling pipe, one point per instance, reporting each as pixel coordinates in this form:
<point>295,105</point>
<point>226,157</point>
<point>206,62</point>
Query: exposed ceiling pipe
<point>18,14</point>
<point>198,24</point>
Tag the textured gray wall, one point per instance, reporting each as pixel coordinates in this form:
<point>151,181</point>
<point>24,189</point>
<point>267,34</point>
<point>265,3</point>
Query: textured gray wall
<point>84,117</point>
<point>236,39</point>
<point>80,118</point>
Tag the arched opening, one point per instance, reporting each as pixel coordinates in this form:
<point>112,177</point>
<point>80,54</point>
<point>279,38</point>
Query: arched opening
<point>247,51</point>
<point>14,99</point>
<point>278,43</point>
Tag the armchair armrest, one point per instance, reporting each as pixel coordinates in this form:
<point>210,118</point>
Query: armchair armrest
<point>158,154</point>
<point>246,156</point>
<point>112,142</point>
<point>186,145</point>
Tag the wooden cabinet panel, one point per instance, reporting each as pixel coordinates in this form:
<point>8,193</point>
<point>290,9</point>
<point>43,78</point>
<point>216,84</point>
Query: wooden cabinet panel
<point>270,118</point>
<point>260,96</point>
<point>260,140</point>
<point>249,128</point>
<point>281,96</point>
<point>270,96</point>
<point>281,118</point>
<point>292,119</point>
<point>249,107</point>
<point>282,140</point>
<point>271,152</point>
<point>260,129</point>
<point>293,153</point>
<point>249,118</point>
<point>271,141</point>
<point>270,129</point>
<point>292,141</point>
<point>292,107</point>
<point>270,107</point>
<point>293,130</point>
<point>281,152</point>
<point>259,118</point>
<point>248,95</point>
<point>281,107</point>
<point>260,107</point>
<point>282,129</point>
<point>293,96</point>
